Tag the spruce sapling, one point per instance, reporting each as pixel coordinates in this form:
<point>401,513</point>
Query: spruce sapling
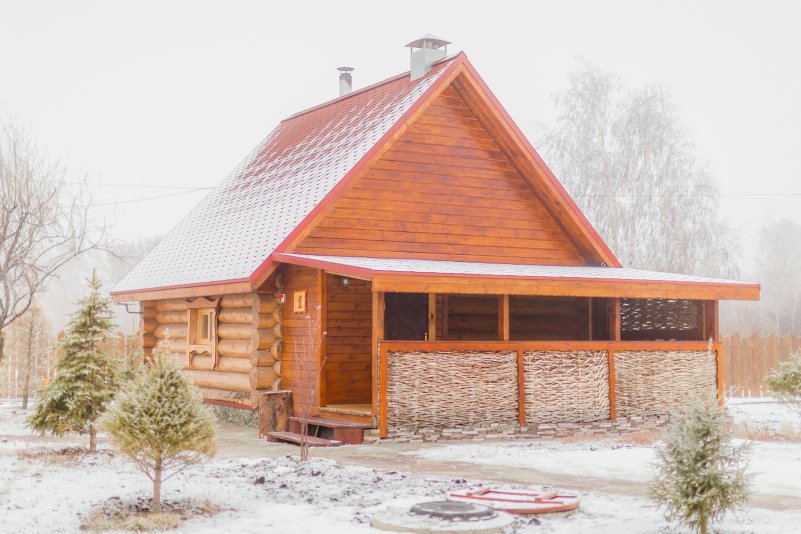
<point>785,381</point>
<point>159,422</point>
<point>85,379</point>
<point>700,474</point>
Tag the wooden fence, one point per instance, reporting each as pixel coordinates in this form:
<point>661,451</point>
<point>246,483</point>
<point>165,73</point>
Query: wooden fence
<point>46,352</point>
<point>747,360</point>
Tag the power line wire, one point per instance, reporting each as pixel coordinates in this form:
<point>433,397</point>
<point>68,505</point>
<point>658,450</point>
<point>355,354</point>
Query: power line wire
<point>131,201</point>
<point>187,190</point>
<point>98,184</point>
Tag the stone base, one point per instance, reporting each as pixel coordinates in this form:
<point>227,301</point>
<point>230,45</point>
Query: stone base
<point>236,416</point>
<point>619,427</point>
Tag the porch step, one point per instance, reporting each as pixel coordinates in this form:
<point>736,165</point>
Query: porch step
<point>355,416</point>
<point>329,422</point>
<point>292,437</point>
<point>341,430</point>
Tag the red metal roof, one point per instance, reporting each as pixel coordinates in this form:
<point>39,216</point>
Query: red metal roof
<point>235,229</point>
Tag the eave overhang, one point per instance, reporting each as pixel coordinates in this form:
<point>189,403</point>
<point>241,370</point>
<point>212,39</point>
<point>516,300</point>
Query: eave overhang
<point>428,276</point>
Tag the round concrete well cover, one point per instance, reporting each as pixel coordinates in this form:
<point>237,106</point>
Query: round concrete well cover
<point>443,517</point>
<point>454,511</point>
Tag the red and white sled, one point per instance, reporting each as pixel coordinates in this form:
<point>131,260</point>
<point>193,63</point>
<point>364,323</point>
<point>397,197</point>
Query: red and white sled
<point>519,502</point>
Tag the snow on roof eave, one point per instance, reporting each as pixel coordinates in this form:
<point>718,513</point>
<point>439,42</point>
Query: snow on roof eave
<point>370,268</point>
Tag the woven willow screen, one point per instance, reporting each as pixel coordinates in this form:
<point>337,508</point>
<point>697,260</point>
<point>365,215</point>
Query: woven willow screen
<point>660,319</point>
<point>566,386</point>
<point>451,389</point>
<point>657,383</point>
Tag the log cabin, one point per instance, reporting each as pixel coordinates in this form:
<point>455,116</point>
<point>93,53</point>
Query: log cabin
<point>403,262</point>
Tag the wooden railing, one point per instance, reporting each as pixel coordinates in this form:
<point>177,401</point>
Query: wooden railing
<point>521,347</point>
<point>747,360</point>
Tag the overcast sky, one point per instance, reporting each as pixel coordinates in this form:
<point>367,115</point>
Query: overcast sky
<point>173,94</point>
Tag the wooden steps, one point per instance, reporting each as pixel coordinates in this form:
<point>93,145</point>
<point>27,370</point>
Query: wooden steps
<point>321,432</point>
<point>341,412</point>
<point>292,437</point>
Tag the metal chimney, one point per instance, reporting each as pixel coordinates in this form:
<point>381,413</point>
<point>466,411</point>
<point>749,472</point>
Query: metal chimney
<point>345,80</point>
<point>426,51</point>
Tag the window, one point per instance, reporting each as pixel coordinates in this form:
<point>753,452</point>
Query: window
<point>205,318</point>
<point>202,330</point>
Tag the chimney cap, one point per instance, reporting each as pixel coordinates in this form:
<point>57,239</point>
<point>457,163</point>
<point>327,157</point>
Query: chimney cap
<point>433,39</point>
<point>345,69</point>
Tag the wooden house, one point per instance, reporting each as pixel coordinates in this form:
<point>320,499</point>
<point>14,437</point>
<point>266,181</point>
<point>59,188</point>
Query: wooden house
<point>402,257</point>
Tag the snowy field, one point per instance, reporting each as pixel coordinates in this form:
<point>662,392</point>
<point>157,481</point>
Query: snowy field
<point>45,492</point>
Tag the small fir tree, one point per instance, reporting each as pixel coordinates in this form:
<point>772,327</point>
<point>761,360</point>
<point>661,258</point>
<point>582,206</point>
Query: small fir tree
<point>159,422</point>
<point>700,474</point>
<point>785,381</point>
<point>85,379</point>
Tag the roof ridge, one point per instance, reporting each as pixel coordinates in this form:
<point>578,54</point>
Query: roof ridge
<point>365,89</point>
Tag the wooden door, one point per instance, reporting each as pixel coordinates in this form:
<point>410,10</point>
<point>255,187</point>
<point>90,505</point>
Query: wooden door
<point>406,316</point>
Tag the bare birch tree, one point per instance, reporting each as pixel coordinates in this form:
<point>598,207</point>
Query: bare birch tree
<point>627,162</point>
<point>41,226</point>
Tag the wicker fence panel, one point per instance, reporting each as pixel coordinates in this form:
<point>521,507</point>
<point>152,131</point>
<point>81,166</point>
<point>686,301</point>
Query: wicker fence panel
<point>659,382</point>
<point>660,318</point>
<point>451,389</point>
<point>566,386</point>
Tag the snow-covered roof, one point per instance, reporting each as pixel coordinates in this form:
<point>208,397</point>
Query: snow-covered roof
<point>370,267</point>
<point>502,270</point>
<point>232,232</point>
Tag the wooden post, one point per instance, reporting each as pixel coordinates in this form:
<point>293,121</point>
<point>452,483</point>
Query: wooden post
<point>322,286</point>
<point>614,319</point>
<point>589,321</point>
<point>719,358</point>
<point>709,316</point>
<point>716,322</point>
<point>378,335</point>
<point>432,316</point>
<point>521,387</point>
<point>503,317</point>
<point>382,415</point>
<point>611,362</point>
<point>444,317</point>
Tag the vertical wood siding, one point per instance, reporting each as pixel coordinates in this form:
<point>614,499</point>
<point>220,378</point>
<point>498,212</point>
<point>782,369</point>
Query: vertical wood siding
<point>301,365</point>
<point>348,363</point>
<point>444,191</point>
<point>549,318</point>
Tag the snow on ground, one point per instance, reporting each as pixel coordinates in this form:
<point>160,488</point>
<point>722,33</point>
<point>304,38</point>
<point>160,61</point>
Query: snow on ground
<point>776,466</point>
<point>765,413</point>
<point>43,493</point>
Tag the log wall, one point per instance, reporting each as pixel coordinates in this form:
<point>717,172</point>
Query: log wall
<point>249,345</point>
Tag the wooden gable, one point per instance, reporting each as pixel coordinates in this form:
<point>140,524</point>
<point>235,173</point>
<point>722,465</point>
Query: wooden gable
<point>444,190</point>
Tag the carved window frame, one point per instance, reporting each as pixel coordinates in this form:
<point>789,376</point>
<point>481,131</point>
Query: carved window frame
<point>195,342</point>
